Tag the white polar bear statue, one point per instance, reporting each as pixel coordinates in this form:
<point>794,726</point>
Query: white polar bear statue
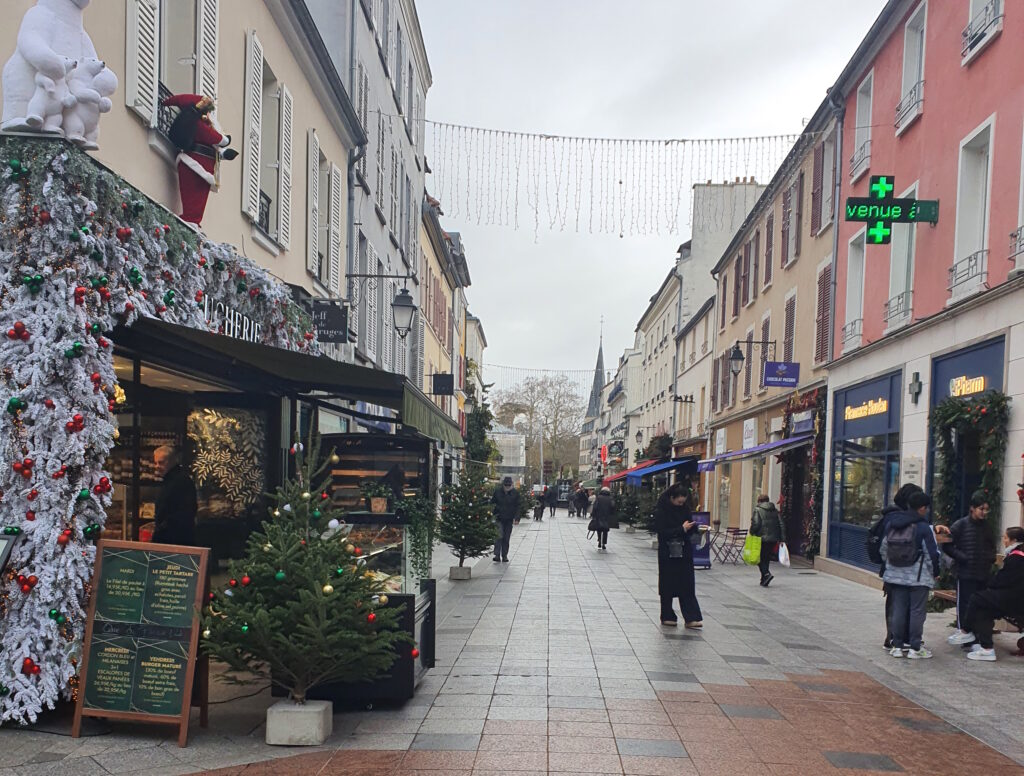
<point>51,40</point>
<point>90,84</point>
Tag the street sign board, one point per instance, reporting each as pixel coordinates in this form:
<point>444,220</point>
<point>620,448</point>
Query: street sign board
<point>881,210</point>
<point>781,374</point>
<point>330,319</point>
<point>443,385</point>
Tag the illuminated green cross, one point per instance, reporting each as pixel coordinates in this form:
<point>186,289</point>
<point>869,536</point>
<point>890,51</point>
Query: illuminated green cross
<point>881,187</point>
<point>879,233</point>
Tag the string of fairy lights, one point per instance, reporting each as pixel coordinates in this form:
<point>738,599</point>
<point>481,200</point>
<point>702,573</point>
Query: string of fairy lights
<point>508,380</point>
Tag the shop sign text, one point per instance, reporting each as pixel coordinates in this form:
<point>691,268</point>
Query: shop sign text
<point>881,210</point>
<point>232,323</point>
<point>966,386</point>
<point>867,409</point>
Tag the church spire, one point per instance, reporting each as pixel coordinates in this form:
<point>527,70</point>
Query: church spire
<point>594,408</point>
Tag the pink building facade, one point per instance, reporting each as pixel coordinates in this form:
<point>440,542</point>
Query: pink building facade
<point>934,100</point>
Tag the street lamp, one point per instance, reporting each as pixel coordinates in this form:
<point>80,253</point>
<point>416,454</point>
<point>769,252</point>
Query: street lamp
<point>403,308</point>
<point>639,436</point>
<point>736,360</point>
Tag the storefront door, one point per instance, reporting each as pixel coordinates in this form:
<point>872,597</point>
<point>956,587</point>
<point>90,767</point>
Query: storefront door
<point>795,536</point>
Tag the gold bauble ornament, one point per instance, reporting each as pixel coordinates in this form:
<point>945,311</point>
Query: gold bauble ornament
<point>328,589</point>
<point>305,495</point>
<point>349,548</point>
<point>268,547</point>
<point>383,600</point>
<point>117,434</point>
<point>206,633</point>
<point>277,513</point>
<point>335,458</point>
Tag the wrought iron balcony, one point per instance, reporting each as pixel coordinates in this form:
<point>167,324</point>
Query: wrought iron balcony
<point>853,330</point>
<point>898,308</point>
<point>970,271</point>
<point>909,107</point>
<point>984,22</point>
<point>861,159</point>
<point>165,116</point>
<point>1016,243</point>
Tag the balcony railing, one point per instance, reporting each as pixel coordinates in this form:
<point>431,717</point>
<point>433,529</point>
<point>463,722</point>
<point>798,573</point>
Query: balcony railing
<point>853,330</point>
<point>263,220</point>
<point>897,309</point>
<point>910,106</point>
<point>969,271</point>
<point>861,159</point>
<point>1016,244</point>
<point>980,26</point>
<point>165,115</point>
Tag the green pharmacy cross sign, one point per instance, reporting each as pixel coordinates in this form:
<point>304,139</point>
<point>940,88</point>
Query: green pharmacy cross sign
<point>881,210</point>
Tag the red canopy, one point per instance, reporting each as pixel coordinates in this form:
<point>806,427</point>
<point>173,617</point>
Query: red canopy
<point>615,477</point>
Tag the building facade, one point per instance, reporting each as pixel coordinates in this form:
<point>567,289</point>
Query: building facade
<point>774,280</point>
<point>694,345</point>
<point>476,344</point>
<point>933,314</point>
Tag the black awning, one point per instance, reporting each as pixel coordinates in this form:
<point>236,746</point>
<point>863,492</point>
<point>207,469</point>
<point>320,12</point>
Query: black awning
<point>255,366</point>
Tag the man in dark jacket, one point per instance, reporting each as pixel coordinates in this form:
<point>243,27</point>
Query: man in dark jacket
<point>769,525</point>
<point>582,502</point>
<point>601,517</point>
<point>974,549</point>
<point>176,506</point>
<point>551,498</point>
<point>506,510</point>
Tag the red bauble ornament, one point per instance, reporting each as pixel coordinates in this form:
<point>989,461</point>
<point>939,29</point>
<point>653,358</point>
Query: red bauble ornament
<point>245,581</point>
<point>128,307</point>
<point>199,296</point>
<point>33,494</point>
<point>324,496</point>
<point>415,652</point>
<point>358,551</point>
<point>202,261</point>
<point>63,540</point>
<point>49,404</point>
<point>233,582</point>
<point>371,617</point>
<point>30,515</point>
<point>309,336</point>
<point>44,217</point>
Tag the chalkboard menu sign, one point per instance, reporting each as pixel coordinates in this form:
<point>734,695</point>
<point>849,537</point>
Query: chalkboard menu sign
<point>142,634</point>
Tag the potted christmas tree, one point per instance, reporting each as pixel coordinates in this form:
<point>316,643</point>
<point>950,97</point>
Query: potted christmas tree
<point>467,521</point>
<point>299,610</point>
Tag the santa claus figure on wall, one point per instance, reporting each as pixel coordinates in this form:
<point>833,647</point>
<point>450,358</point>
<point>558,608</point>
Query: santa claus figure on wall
<point>201,145</point>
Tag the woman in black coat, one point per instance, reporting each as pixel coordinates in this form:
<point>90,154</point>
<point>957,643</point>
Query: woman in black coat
<point>601,517</point>
<point>675,557</point>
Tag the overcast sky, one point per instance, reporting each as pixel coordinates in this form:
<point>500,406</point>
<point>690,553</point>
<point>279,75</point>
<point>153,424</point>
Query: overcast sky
<point>604,68</point>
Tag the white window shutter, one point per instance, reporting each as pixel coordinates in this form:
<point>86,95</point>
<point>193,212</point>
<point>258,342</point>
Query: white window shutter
<point>253,127</point>
<point>207,25</point>
<point>334,247</point>
<point>380,160</point>
<point>420,345</point>
<point>313,202</point>
<point>387,335</point>
<point>143,51</point>
<point>284,178</point>
<point>371,307</point>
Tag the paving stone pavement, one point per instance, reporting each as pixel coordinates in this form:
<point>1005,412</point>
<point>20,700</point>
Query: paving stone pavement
<point>555,663</point>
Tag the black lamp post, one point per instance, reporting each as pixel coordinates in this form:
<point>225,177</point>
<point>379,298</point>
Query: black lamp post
<point>403,308</point>
<point>736,360</point>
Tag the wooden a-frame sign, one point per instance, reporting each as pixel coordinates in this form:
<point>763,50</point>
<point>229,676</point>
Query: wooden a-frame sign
<point>142,634</point>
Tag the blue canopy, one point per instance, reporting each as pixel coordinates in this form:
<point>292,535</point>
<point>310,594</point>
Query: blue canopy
<point>634,477</point>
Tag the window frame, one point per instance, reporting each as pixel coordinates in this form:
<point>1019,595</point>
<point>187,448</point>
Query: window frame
<point>860,163</point>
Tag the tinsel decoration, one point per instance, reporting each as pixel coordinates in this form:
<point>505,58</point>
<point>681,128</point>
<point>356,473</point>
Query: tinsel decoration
<point>96,262</point>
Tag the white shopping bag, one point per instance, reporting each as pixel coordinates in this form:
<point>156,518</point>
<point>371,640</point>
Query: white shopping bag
<point>783,554</point>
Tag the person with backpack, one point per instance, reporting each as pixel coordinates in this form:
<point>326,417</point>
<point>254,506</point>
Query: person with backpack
<point>974,549</point>
<point>1004,597</point>
<point>911,567</point>
<point>770,526</point>
<point>874,547</point>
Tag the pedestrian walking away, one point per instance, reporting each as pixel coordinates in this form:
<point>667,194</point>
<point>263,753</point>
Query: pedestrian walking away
<point>911,568</point>
<point>601,517</point>
<point>675,528</point>
<point>769,525</point>
<point>551,497</point>
<point>583,503</point>
<point>875,535</point>
<point>506,501</point>
<point>1003,597</point>
<point>176,506</point>
<point>972,546</point>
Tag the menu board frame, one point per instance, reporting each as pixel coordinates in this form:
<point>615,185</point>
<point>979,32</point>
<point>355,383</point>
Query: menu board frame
<point>181,716</point>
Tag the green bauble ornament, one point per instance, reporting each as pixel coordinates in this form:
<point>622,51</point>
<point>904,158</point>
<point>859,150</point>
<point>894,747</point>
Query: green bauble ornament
<point>61,619</point>
<point>339,571</point>
<point>241,286</point>
<point>54,613</point>
<point>245,628</point>
<point>96,255</point>
<point>280,576</point>
<point>317,514</point>
<point>16,405</point>
<point>11,530</point>
<point>83,494</point>
<point>169,297</point>
<point>15,165</point>
<point>75,236</point>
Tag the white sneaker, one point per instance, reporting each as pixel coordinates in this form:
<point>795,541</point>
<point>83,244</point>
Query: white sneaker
<point>988,655</point>
<point>960,638</point>
<point>896,652</point>
<point>919,654</point>
<point>951,639</point>
<point>975,647</point>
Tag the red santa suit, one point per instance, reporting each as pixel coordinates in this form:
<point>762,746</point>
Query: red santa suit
<point>199,142</point>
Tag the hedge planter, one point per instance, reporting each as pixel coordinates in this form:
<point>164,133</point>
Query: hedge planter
<point>460,572</point>
<point>299,724</point>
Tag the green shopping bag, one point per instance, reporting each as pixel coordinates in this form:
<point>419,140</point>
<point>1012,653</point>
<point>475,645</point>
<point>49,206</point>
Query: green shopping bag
<point>752,550</point>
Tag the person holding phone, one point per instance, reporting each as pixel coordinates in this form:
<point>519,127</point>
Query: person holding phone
<point>675,527</point>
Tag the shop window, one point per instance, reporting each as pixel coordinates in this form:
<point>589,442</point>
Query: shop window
<point>227,466</point>
<point>970,263</point>
<point>860,161</point>
<point>724,492</point>
<point>912,102</point>
<point>853,327</point>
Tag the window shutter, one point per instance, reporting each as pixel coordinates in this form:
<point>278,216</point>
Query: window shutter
<point>817,182</point>
<point>143,51</point>
<point>371,307</point>
<point>334,228</point>
<point>381,135</point>
<point>253,127</point>
<point>313,203</point>
<point>723,298</point>
<point>394,190</point>
<point>765,334</point>
<point>787,205</point>
<point>748,365</point>
<point>769,239</point>
<point>736,272</point>
<point>790,330</point>
<point>726,376</point>
<point>206,46</point>
<point>361,108</point>
<point>757,262</point>
<point>734,385</point>
<point>746,274</point>
<point>798,218</point>
<point>714,385</point>
<point>386,333</point>
<point>821,334</point>
<point>284,178</point>
<point>420,345</point>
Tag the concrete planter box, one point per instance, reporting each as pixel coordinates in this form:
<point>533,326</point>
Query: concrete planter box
<point>299,724</point>
<point>630,529</point>
<point>460,572</point>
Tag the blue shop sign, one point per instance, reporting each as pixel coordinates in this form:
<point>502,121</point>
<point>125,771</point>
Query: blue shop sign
<point>969,372</point>
<point>868,409</point>
<point>782,374</point>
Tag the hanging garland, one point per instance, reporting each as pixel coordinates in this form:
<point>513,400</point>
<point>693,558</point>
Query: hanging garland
<point>82,253</point>
<point>989,416</point>
<point>815,400</point>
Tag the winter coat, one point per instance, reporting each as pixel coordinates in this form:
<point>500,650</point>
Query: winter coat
<point>506,505</point>
<point>768,523</point>
<point>604,509</point>
<point>582,499</point>
<point>1005,592</point>
<point>920,573</point>
<point>176,509</point>
<point>551,497</point>
<point>673,572</point>
<point>973,548</point>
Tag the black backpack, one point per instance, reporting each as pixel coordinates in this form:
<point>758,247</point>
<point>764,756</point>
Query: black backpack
<point>902,547</point>
<point>874,541</point>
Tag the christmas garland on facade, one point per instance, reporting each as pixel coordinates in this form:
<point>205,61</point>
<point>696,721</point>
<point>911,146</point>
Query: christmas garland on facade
<point>989,416</point>
<point>82,252</point>
<point>815,400</point>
